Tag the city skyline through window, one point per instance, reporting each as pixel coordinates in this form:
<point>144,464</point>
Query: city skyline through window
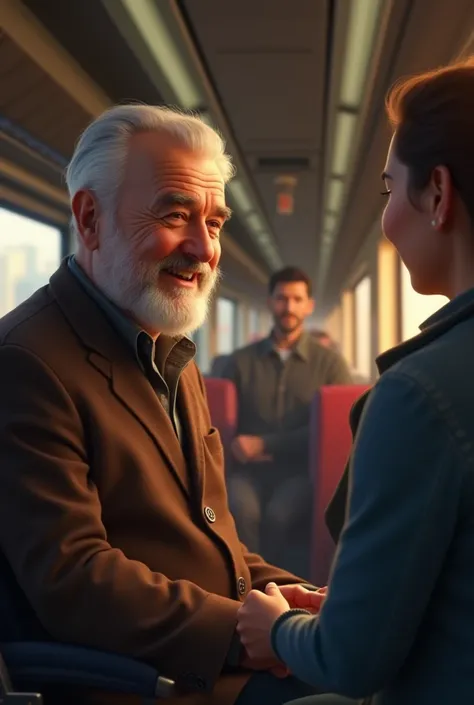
<point>30,252</point>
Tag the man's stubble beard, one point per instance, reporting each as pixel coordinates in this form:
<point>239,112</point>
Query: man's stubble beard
<point>288,330</point>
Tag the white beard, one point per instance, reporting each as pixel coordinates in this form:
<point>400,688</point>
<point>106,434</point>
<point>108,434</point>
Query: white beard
<point>135,289</point>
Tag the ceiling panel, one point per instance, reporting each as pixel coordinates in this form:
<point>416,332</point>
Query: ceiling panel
<point>265,95</point>
<point>267,61</point>
<point>29,97</point>
<point>88,33</point>
<point>262,23</point>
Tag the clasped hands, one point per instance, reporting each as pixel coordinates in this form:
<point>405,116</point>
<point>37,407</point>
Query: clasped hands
<point>247,449</point>
<point>258,614</point>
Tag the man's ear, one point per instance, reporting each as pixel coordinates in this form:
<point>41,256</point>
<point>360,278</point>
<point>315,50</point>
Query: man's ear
<point>85,209</point>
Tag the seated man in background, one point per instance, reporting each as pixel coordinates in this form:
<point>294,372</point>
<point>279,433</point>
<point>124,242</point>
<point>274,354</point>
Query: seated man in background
<point>218,365</point>
<point>324,339</point>
<point>114,525</point>
<point>276,379</point>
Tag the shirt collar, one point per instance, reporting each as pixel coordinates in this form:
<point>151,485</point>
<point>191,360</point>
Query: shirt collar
<point>300,348</point>
<point>176,349</point>
<point>454,312</point>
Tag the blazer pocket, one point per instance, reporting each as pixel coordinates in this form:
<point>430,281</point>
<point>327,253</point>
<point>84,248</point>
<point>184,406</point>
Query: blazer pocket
<point>213,444</point>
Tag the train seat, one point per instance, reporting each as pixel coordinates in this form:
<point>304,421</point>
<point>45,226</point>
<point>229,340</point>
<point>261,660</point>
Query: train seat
<point>28,667</point>
<point>330,446</point>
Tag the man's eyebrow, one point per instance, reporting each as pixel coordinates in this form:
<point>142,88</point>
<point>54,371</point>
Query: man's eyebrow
<point>223,212</point>
<point>183,199</point>
<point>174,199</point>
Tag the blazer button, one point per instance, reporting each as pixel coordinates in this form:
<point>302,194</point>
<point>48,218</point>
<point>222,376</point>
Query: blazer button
<point>190,682</point>
<point>200,683</point>
<point>210,514</point>
<point>241,586</point>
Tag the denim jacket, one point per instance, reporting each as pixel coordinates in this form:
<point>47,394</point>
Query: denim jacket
<point>398,623</point>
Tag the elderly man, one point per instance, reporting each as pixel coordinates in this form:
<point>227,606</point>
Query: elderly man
<point>114,524</point>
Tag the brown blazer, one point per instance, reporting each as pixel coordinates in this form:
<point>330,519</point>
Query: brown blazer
<point>117,540</point>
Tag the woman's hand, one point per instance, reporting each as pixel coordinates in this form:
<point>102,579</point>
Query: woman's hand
<point>300,597</point>
<point>256,618</point>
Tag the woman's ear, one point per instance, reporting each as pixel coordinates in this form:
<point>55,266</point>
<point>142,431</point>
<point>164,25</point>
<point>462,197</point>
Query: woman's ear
<point>440,196</point>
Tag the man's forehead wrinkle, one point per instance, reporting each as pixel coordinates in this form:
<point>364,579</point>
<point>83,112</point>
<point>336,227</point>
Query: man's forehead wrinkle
<point>164,182</point>
<point>175,181</point>
<point>172,164</point>
<point>178,187</point>
<point>180,190</point>
<point>141,158</point>
<point>174,171</point>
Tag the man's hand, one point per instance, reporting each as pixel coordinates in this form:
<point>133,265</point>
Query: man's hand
<point>256,618</point>
<point>300,597</point>
<point>249,448</point>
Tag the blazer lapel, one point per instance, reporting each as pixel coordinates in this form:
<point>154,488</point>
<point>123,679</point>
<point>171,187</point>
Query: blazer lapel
<point>134,391</point>
<point>110,355</point>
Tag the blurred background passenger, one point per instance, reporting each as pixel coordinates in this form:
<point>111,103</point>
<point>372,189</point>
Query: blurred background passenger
<point>276,379</point>
<point>218,365</point>
<point>324,339</point>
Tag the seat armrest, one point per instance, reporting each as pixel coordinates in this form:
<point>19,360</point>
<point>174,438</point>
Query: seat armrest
<point>43,663</point>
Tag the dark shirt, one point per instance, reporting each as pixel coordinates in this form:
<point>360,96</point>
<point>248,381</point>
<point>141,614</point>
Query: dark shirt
<point>399,617</point>
<point>275,396</point>
<point>162,361</point>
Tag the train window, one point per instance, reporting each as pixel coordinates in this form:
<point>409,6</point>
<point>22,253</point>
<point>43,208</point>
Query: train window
<point>29,253</point>
<point>254,324</point>
<point>363,327</point>
<point>203,354</point>
<point>226,326</point>
<point>415,307</point>
<point>242,325</point>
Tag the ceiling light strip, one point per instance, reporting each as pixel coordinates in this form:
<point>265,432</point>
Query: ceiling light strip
<point>146,16</point>
<point>364,20</point>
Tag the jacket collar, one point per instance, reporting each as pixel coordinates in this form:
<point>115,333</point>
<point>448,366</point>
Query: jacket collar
<point>301,348</point>
<point>459,309</point>
<point>111,356</point>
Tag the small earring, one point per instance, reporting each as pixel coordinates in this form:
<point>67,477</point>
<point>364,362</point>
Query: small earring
<point>434,223</point>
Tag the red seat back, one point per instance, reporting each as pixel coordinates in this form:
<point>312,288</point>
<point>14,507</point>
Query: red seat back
<point>222,400</point>
<point>330,447</point>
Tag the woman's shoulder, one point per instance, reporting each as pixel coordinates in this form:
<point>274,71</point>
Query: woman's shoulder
<point>443,364</point>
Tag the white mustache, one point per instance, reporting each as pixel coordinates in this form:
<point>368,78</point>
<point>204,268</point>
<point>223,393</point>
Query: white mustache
<point>187,264</point>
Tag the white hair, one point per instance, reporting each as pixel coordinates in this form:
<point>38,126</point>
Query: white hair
<point>99,158</point>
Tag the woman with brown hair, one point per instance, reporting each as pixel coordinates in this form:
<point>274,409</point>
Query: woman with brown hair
<point>397,624</point>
